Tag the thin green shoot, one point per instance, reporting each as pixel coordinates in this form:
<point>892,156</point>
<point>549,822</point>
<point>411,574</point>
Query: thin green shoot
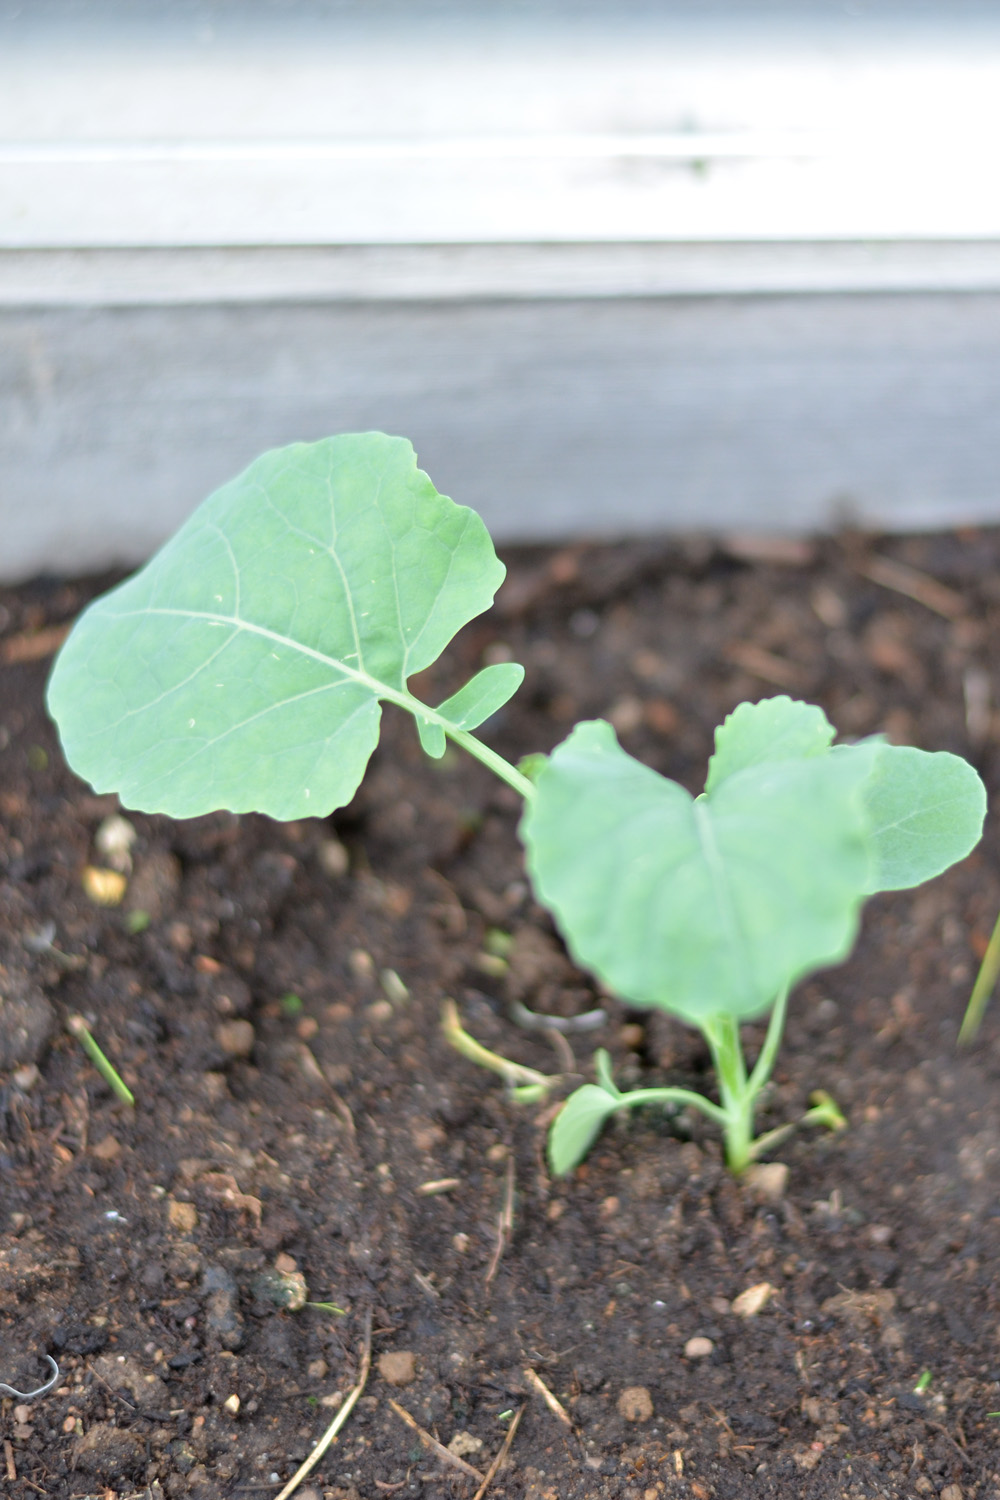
<point>527,1085</point>
<point>329,1307</point>
<point>923,1382</point>
<point>982,990</point>
<point>78,1028</point>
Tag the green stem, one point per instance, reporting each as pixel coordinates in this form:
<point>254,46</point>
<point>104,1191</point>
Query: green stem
<point>489,758</point>
<point>982,989</point>
<point>77,1026</point>
<point>764,1066</point>
<point>722,1034</point>
<point>511,1072</point>
<point>463,737</point>
<point>737,1091</point>
<point>685,1098</point>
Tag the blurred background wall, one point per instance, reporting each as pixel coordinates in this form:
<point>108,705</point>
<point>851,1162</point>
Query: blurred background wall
<point>612,266</point>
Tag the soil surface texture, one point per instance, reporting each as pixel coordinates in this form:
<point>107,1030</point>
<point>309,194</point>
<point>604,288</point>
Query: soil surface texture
<point>310,1169</point>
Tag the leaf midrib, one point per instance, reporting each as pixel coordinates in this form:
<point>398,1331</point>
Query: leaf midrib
<point>379,688</point>
<point>726,907</point>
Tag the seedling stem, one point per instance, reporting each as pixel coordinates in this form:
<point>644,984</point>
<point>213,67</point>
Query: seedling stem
<point>77,1026</point>
<point>527,1085</point>
<point>983,988</point>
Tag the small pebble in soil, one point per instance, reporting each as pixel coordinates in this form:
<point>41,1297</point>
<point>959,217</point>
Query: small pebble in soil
<point>767,1180</point>
<point>24,1079</point>
<point>236,1038</point>
<point>635,1404</point>
<point>113,841</point>
<point>398,1367</point>
<point>332,858</point>
<point>181,1216</point>
<point>104,887</point>
<point>698,1347</point>
<point>464,1444</point>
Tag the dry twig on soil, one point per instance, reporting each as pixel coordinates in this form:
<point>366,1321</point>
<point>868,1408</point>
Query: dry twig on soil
<point>538,1384</point>
<point>498,1461</point>
<point>433,1444</point>
<point>339,1419</point>
<point>928,591</point>
<point>505,1223</point>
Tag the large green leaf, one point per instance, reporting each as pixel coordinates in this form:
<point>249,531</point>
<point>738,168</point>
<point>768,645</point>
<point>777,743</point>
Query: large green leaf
<point>925,811</point>
<point>705,906</point>
<point>243,666</point>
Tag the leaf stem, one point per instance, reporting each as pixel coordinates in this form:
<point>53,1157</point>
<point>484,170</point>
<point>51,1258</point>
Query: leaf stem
<point>722,1034</point>
<point>982,989</point>
<point>464,737</point>
<point>489,758</point>
<point>737,1091</point>
<point>764,1066</point>
<point>685,1098</point>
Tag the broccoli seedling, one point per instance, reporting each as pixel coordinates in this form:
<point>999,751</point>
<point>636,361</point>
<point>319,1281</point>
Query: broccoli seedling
<point>244,667</point>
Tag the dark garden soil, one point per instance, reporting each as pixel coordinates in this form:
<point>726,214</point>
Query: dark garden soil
<point>272,994</point>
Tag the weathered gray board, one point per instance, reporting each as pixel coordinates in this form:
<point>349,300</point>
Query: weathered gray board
<point>551,417</point>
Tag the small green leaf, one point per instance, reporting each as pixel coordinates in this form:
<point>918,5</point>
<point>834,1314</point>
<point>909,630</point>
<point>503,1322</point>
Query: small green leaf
<point>432,737</point>
<point>703,907</point>
<point>577,1126</point>
<point>925,810</point>
<point>243,667</point>
<point>482,695</point>
<point>773,729</point>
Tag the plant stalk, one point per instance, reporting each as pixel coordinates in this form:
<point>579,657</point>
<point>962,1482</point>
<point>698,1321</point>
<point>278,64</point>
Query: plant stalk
<point>489,758</point>
<point>512,1073</point>
<point>738,1092</point>
<point>983,988</point>
<point>464,737</point>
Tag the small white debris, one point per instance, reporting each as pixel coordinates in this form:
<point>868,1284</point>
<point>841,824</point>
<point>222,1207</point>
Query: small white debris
<point>698,1348</point>
<point>113,841</point>
<point>749,1303</point>
<point>464,1444</point>
<point>332,858</point>
<point>393,987</point>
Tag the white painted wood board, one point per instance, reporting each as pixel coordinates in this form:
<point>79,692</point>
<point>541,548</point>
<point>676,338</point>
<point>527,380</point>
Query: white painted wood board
<point>552,417</point>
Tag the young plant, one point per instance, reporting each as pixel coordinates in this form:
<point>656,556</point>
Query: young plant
<point>713,907</point>
<point>245,667</point>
